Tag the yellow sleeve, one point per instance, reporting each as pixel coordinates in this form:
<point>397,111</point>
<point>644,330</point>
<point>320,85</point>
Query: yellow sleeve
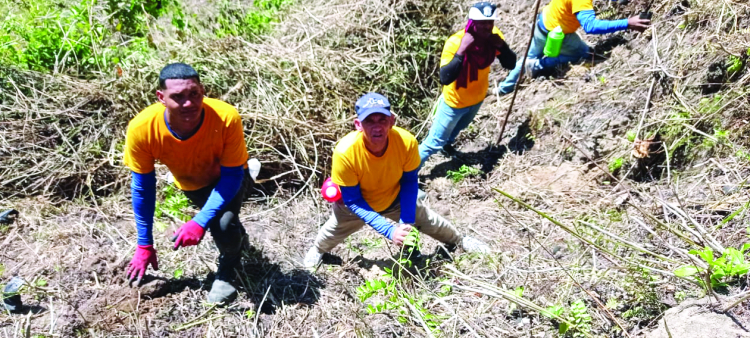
<point>582,5</point>
<point>450,49</point>
<point>412,153</point>
<point>138,156</point>
<point>342,172</point>
<point>235,149</point>
<point>497,31</point>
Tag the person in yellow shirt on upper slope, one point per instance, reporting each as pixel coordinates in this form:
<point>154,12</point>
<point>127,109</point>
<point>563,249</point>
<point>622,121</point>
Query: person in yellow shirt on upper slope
<point>376,169</point>
<point>464,74</point>
<point>569,15</point>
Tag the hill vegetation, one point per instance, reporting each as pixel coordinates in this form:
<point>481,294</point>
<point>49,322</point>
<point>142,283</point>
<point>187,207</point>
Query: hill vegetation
<point>619,192</point>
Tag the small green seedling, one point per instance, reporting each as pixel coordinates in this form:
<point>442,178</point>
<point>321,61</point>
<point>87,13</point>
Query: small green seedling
<point>722,270</point>
<point>392,295</point>
<point>615,164</point>
<point>554,311</point>
<point>519,293</point>
<point>462,173</point>
<point>412,239</point>
<point>735,65</point>
<point>174,204</point>
<point>580,318</point>
<point>577,315</point>
<point>630,135</point>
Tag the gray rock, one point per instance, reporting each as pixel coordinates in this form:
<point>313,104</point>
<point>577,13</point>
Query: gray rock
<point>11,298</point>
<point>693,319</point>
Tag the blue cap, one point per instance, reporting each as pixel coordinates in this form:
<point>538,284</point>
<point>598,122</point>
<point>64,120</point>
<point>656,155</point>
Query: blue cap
<point>372,103</point>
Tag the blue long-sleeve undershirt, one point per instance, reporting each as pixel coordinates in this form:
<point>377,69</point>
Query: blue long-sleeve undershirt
<point>591,25</point>
<point>353,200</point>
<point>143,190</point>
<point>224,191</point>
<point>408,196</point>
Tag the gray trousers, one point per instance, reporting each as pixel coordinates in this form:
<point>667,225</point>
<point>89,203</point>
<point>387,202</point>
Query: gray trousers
<point>226,228</point>
<point>343,223</point>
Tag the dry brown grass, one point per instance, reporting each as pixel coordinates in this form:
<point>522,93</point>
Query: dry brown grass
<point>295,90</point>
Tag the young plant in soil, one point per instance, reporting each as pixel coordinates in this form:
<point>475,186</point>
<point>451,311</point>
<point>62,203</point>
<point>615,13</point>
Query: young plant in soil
<point>721,271</point>
<point>395,287</point>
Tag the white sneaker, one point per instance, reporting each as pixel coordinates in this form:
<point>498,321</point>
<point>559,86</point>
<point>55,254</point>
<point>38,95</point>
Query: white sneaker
<point>312,258</point>
<point>471,244</point>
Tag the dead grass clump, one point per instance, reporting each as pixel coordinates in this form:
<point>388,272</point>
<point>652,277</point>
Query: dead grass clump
<point>295,89</point>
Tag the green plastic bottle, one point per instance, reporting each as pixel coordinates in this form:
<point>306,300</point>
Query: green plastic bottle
<point>554,42</point>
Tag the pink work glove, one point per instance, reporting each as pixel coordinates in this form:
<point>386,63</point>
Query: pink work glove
<point>144,255</point>
<point>189,234</point>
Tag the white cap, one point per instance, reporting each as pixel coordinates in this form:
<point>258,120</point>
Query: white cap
<point>483,11</point>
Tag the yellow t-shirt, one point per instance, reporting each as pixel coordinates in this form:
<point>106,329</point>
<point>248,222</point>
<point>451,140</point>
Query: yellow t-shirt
<point>379,178</point>
<point>563,13</point>
<point>474,92</point>
<point>195,163</point>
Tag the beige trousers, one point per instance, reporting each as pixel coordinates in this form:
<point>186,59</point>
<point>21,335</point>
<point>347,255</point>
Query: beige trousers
<point>343,223</point>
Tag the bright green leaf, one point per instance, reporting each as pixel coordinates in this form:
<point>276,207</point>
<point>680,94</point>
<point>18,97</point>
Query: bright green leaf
<point>686,270</point>
<point>740,269</point>
<point>563,328</point>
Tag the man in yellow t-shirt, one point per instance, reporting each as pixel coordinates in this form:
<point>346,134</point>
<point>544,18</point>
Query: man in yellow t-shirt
<point>569,15</point>
<point>464,73</point>
<point>201,141</point>
<point>376,169</point>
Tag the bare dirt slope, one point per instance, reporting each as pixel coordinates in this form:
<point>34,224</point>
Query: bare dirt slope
<point>611,240</point>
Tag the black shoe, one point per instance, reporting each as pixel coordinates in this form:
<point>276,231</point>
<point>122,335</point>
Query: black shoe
<point>448,150</point>
<point>444,251</point>
<point>411,253</point>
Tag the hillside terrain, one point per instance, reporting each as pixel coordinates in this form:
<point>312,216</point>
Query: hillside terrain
<point>615,204</point>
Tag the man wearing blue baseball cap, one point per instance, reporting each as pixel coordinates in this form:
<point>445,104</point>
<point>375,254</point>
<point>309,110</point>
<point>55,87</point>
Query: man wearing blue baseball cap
<point>376,168</point>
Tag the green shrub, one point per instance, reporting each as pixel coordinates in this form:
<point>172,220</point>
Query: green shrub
<point>127,16</point>
<point>248,22</point>
<point>42,37</point>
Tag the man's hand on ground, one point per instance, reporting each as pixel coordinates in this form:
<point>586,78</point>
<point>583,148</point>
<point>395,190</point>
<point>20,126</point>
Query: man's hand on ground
<point>400,233</point>
<point>637,24</point>
<point>466,41</point>
<point>189,234</point>
<point>144,255</point>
